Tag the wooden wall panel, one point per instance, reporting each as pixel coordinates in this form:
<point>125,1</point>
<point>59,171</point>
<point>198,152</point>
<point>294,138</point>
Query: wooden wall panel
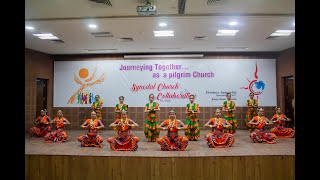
<point>38,167</point>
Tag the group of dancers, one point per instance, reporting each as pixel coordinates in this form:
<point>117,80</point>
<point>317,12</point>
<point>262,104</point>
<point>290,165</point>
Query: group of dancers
<point>221,135</point>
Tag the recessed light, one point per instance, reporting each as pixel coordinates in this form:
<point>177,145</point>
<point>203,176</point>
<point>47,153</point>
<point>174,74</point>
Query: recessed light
<point>282,32</point>
<point>46,36</point>
<point>162,24</point>
<point>233,23</point>
<point>294,24</point>
<point>29,27</point>
<point>163,33</point>
<point>92,26</point>
<point>225,32</point>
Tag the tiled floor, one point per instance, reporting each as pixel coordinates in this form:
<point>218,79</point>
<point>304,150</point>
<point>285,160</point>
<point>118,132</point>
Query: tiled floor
<point>243,146</point>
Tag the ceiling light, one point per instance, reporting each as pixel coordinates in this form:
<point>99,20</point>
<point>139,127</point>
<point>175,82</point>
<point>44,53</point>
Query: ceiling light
<point>29,27</point>
<point>294,24</point>
<point>233,23</point>
<point>226,32</point>
<point>46,36</point>
<point>162,24</point>
<point>92,26</point>
<point>282,32</point>
<point>163,33</point>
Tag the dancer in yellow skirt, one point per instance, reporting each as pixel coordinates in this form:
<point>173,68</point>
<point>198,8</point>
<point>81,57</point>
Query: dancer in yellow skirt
<point>252,105</point>
<point>151,130</point>
<point>229,107</point>
<point>97,106</point>
<point>118,109</point>
<point>192,121</point>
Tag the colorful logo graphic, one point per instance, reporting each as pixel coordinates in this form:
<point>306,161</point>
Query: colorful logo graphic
<point>256,86</point>
<point>85,98</point>
<point>84,82</point>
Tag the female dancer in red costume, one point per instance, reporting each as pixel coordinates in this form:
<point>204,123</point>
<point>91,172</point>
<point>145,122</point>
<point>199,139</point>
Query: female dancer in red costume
<point>172,141</point>
<point>259,135</point>
<point>92,138</point>
<point>217,138</point>
<point>60,134</point>
<point>279,130</point>
<point>42,125</point>
<point>124,141</point>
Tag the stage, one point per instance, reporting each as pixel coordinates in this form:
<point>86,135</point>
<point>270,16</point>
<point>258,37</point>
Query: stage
<point>246,159</point>
<point>242,146</point>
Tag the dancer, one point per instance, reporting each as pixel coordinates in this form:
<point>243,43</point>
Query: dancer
<point>279,130</point>
<point>192,121</point>
<point>172,141</point>
<point>42,127</point>
<point>97,106</point>
<point>124,141</point>
<point>252,105</point>
<point>217,138</point>
<point>60,134</point>
<point>118,109</point>
<point>92,138</point>
<point>151,130</point>
<point>229,107</point>
<point>259,135</point>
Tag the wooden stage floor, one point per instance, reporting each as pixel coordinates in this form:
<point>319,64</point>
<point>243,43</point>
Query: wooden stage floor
<point>243,146</point>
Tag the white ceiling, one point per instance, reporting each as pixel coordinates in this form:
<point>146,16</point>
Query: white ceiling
<point>69,19</point>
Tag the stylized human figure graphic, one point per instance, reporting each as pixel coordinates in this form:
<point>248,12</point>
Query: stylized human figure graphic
<point>85,82</point>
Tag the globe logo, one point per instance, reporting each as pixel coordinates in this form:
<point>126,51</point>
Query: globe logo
<point>256,86</point>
